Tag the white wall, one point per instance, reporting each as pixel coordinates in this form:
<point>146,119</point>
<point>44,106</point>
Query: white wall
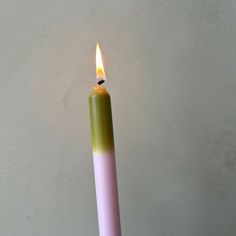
<point>171,69</point>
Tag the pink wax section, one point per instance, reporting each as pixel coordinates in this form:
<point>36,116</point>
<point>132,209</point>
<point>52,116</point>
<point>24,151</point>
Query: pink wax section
<point>107,194</point>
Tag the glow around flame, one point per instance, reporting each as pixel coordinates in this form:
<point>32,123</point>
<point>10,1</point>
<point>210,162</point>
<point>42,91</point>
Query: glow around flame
<point>100,73</point>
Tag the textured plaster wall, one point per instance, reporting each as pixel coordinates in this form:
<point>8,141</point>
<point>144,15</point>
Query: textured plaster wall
<point>171,67</point>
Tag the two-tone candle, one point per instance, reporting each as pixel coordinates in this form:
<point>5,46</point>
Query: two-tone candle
<point>104,155</point>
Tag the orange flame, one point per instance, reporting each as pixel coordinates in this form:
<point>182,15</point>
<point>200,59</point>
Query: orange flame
<point>100,73</point>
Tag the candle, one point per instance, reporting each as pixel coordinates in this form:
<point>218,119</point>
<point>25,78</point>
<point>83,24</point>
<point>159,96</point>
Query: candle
<point>104,155</point>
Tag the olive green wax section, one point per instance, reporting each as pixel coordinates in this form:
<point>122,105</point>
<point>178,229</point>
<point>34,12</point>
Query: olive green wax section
<point>101,120</point>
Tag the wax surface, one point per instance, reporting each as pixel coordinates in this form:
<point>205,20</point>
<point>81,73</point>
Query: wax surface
<point>101,120</point>
<point>107,194</point>
<point>104,162</point>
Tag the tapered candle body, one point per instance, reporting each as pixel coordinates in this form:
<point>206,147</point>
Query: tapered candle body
<point>104,162</point>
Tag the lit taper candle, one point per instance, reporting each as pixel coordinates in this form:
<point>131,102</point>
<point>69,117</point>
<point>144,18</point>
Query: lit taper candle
<point>104,155</point>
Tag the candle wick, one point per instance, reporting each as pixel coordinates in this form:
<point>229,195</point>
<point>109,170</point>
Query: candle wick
<point>100,81</point>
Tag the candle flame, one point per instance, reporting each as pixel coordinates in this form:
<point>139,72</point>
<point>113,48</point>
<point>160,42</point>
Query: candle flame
<point>100,73</point>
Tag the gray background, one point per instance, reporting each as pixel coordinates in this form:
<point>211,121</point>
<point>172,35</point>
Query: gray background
<point>171,68</point>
